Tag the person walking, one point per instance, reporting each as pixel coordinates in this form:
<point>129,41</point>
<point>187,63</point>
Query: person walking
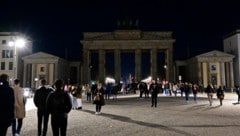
<point>39,100</point>
<point>210,90</point>
<point>154,93</point>
<point>99,98</point>
<point>6,104</point>
<point>19,108</point>
<point>220,94</point>
<point>238,93</point>
<point>59,105</point>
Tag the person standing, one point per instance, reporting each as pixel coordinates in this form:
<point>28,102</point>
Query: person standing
<point>99,98</point>
<point>59,105</point>
<point>186,91</point>
<point>6,104</point>
<point>19,108</point>
<point>79,96</point>
<point>154,92</point>
<point>39,100</point>
<point>88,91</point>
<point>220,94</point>
<point>195,92</point>
<point>175,88</point>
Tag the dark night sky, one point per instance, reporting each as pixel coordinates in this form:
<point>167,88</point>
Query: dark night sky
<point>198,25</point>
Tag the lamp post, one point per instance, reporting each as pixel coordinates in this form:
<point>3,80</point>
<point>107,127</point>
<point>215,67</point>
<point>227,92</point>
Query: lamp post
<point>18,43</point>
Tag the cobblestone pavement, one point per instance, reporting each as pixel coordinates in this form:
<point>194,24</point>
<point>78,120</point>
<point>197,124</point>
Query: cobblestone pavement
<point>130,115</point>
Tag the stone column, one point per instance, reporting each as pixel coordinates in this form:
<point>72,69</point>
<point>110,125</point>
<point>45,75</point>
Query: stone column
<point>47,72</point>
<point>25,74</point>
<point>222,73</point>
<point>34,75</point>
<point>154,63</point>
<point>101,65</point>
<point>200,78</point>
<point>169,61</point>
<point>231,75</point>
<point>117,65</point>
<point>55,71</point>
<point>138,64</point>
<point>86,69</point>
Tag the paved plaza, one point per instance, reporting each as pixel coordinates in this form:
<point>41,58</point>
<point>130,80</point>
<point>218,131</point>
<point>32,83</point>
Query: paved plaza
<point>132,116</point>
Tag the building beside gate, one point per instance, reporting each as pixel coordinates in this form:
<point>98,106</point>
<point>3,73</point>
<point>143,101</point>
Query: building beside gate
<point>49,67</point>
<point>214,67</point>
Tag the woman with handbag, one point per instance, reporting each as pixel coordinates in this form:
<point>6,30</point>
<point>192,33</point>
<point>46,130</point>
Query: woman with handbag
<point>99,98</point>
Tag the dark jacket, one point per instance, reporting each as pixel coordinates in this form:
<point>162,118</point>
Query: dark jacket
<point>209,89</point>
<point>59,103</point>
<point>154,88</point>
<point>40,98</point>
<point>99,92</point>
<point>220,93</point>
<point>6,103</point>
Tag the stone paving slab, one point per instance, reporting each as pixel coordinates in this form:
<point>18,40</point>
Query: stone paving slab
<point>130,115</point>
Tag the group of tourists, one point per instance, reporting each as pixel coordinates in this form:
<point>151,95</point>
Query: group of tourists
<point>58,102</point>
<point>55,102</point>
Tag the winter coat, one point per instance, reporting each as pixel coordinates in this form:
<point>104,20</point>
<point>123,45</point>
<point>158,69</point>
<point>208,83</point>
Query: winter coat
<point>20,101</point>
<point>99,92</point>
<point>40,98</point>
<point>6,103</point>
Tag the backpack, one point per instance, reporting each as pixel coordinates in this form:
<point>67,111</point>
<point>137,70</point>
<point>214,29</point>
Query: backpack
<point>59,103</point>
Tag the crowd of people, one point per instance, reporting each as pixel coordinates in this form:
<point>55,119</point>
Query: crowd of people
<point>58,100</point>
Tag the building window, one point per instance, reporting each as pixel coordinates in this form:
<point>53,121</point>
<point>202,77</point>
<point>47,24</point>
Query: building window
<point>10,67</point>
<point>41,69</point>
<point>4,42</point>
<point>2,65</point>
<point>7,53</point>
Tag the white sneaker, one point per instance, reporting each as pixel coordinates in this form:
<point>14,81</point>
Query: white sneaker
<point>96,113</point>
<point>16,134</point>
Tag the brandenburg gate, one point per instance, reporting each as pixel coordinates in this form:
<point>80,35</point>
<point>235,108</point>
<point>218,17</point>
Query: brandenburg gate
<point>120,41</point>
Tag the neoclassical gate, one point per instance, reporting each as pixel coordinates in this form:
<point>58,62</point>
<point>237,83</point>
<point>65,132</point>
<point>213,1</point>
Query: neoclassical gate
<point>121,41</point>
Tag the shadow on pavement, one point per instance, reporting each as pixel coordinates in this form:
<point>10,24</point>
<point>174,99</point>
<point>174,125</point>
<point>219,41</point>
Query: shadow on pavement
<point>146,124</point>
<point>236,103</point>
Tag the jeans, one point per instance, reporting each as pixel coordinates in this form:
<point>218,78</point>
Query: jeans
<point>42,117</point>
<point>59,124</point>
<point>195,97</point>
<point>154,100</point>
<point>16,126</point>
<point>186,95</point>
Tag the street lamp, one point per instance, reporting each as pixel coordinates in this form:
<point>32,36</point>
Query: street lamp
<point>18,43</point>
<point>36,79</point>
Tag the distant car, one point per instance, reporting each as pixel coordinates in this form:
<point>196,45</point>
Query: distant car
<point>28,92</point>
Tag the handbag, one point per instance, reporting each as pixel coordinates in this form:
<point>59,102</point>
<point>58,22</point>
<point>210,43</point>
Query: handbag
<point>97,98</point>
